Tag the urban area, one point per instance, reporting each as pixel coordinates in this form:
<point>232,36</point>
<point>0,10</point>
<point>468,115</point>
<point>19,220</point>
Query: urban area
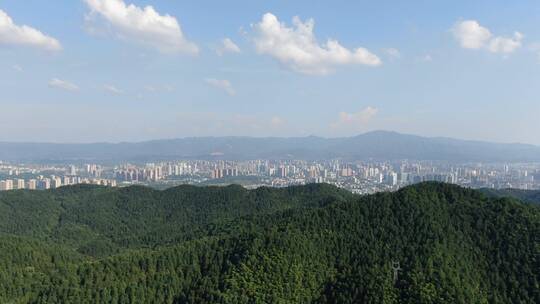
<point>359,177</point>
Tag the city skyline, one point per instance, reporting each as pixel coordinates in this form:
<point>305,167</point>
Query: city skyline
<point>105,73</point>
<point>362,177</point>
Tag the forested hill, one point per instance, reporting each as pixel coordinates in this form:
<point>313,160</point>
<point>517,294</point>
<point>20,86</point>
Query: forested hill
<point>528,196</point>
<point>308,244</point>
<point>99,221</point>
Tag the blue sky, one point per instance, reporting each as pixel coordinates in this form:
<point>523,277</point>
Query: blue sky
<point>98,71</point>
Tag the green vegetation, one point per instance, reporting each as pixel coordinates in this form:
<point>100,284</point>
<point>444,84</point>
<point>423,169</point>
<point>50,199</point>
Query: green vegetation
<point>528,196</point>
<point>308,244</point>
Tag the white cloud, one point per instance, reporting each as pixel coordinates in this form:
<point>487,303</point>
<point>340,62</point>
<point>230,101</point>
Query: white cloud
<point>471,35</point>
<point>504,44</point>
<point>297,47</point>
<point>112,89</point>
<point>143,25</point>
<point>227,46</point>
<point>354,121</point>
<point>222,84</point>
<point>62,84</point>
<point>12,34</point>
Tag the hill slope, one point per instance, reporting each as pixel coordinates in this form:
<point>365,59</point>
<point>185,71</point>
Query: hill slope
<point>312,244</point>
<point>528,196</point>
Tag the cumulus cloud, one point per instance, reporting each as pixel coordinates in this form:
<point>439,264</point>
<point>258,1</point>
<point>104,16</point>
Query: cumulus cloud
<point>142,25</point>
<point>471,35</point>
<point>297,47</point>
<point>354,121</point>
<point>63,85</point>
<point>227,46</point>
<point>23,35</point>
<point>221,84</point>
<point>112,89</point>
<point>505,44</point>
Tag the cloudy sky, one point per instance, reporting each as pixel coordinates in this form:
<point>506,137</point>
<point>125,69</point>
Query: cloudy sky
<point>130,70</point>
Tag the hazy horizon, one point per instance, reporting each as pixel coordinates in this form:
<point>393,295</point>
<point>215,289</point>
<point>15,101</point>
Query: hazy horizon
<point>263,137</point>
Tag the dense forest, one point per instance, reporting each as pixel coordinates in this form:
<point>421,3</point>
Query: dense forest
<point>527,196</point>
<point>305,244</point>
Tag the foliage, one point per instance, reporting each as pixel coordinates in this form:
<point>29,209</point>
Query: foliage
<point>528,196</point>
<point>307,244</point>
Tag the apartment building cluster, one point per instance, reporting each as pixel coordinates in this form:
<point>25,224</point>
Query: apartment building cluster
<point>52,182</point>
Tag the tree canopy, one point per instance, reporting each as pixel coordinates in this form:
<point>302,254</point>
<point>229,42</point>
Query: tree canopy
<point>305,244</point>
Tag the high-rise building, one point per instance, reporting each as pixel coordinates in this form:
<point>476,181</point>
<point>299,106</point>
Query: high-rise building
<point>93,170</point>
<point>8,185</point>
<point>157,173</point>
<point>403,177</point>
<point>319,179</point>
<point>346,172</point>
<point>20,183</point>
<point>44,184</point>
<point>72,170</point>
<point>217,173</point>
<point>56,182</point>
<point>393,179</point>
<point>283,171</point>
<point>31,184</point>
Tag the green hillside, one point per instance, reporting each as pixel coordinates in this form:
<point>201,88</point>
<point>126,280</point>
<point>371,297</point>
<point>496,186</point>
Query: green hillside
<point>308,244</point>
<point>528,196</point>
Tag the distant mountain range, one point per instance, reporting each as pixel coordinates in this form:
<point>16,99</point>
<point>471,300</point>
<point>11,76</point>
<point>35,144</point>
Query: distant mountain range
<point>382,145</point>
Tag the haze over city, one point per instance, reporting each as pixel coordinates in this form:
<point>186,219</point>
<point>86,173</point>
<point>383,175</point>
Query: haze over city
<point>111,71</point>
